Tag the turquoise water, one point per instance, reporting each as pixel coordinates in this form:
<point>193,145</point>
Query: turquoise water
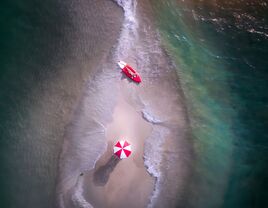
<point>46,51</point>
<point>221,51</point>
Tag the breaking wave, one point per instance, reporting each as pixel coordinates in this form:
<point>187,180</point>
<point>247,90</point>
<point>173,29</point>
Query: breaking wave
<point>99,94</point>
<point>77,198</point>
<point>127,43</point>
<point>126,40</point>
<point>153,157</point>
<point>150,117</point>
<point>124,50</point>
<point>85,141</point>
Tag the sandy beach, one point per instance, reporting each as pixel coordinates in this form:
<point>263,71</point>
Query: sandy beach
<point>197,122</point>
<point>151,116</point>
<point>120,183</point>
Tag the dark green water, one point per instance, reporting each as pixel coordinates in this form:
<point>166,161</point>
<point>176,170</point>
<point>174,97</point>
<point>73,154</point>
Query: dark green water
<point>47,50</point>
<point>25,65</point>
<point>221,48</point>
<point>32,53</point>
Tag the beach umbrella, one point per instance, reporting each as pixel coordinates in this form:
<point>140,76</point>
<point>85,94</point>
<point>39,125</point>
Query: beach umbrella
<point>122,149</point>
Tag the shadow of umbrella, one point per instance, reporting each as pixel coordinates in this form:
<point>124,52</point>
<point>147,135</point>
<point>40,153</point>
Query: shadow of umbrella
<point>102,174</point>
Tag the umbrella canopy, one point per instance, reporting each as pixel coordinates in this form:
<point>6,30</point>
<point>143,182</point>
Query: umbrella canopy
<point>122,149</point>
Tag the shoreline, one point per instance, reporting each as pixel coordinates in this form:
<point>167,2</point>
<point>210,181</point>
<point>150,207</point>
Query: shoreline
<point>155,106</point>
<point>71,162</point>
<point>115,182</point>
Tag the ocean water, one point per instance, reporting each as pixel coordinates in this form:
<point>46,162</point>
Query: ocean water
<point>220,49</point>
<point>28,143</point>
<point>49,52</point>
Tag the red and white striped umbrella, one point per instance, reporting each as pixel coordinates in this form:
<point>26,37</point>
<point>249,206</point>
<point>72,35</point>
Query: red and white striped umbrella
<point>122,149</point>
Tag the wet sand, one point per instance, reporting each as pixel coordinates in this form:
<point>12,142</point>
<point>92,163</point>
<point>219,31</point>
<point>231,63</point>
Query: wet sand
<point>120,183</point>
<point>151,116</point>
<point>89,44</point>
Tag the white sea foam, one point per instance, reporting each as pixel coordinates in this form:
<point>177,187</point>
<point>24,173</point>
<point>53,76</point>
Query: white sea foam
<point>89,126</point>
<point>86,140</point>
<point>128,33</point>
<point>78,198</point>
<point>148,116</point>
<point>127,45</point>
<point>98,94</point>
<point>251,30</point>
<point>153,157</point>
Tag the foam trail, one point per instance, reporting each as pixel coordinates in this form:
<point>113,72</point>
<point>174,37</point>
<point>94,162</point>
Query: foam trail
<point>86,139</point>
<point>128,34</point>
<point>153,156</point>
<point>126,49</point>
<point>150,118</point>
<point>77,198</point>
<point>99,94</point>
<point>127,46</point>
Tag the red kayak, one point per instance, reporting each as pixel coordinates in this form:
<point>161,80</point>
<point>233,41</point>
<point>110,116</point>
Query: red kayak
<point>129,71</point>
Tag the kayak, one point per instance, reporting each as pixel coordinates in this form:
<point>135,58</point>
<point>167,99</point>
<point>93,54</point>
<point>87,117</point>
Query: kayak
<point>129,71</point>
